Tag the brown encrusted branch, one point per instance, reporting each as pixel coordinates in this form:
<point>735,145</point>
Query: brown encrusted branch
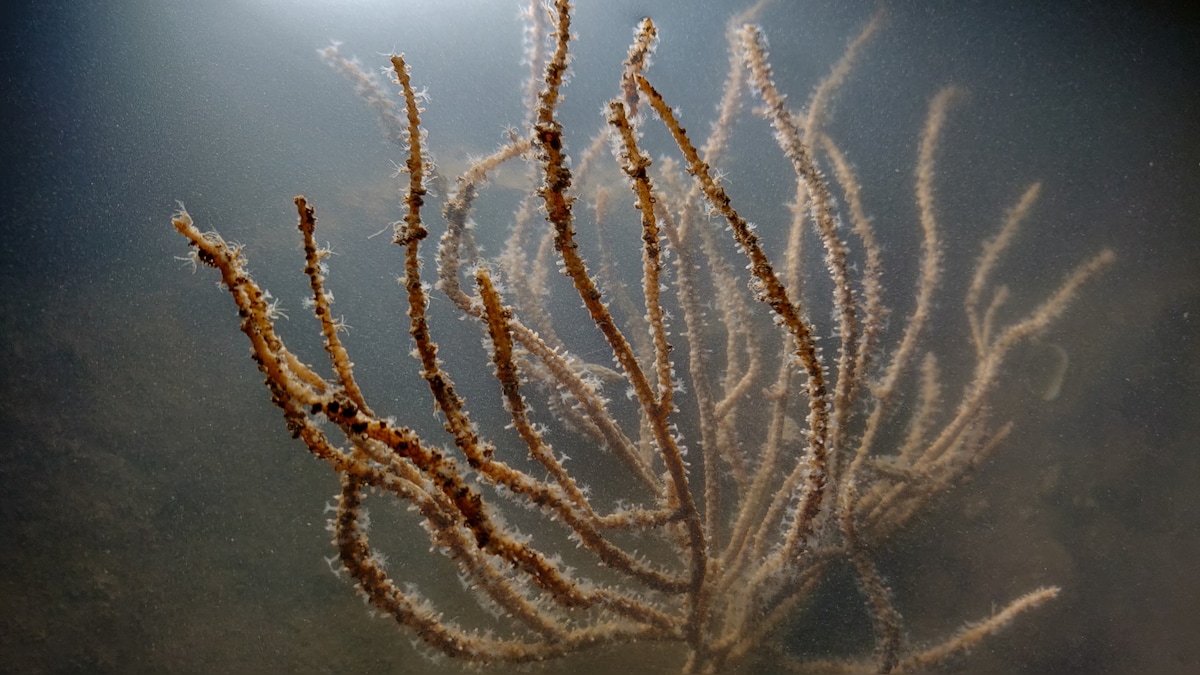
<point>770,290</point>
<point>479,453</point>
<point>558,211</point>
<point>314,268</point>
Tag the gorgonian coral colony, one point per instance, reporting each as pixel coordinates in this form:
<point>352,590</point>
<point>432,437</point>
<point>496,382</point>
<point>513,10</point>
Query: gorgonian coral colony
<point>733,541</point>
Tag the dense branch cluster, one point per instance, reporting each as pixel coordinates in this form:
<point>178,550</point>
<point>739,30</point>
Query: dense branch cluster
<point>730,545</point>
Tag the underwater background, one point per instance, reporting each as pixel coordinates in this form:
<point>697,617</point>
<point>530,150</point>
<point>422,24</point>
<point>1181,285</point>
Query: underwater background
<point>155,516</point>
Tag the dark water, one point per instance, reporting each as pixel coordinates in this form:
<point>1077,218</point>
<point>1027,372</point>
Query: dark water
<point>154,514</point>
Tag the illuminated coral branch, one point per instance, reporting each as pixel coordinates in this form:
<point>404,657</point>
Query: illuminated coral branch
<point>713,556</point>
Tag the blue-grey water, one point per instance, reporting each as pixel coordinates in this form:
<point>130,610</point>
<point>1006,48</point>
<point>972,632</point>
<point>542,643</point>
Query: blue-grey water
<point>156,517</point>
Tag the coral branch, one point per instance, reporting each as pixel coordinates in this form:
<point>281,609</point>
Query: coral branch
<point>714,556</point>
